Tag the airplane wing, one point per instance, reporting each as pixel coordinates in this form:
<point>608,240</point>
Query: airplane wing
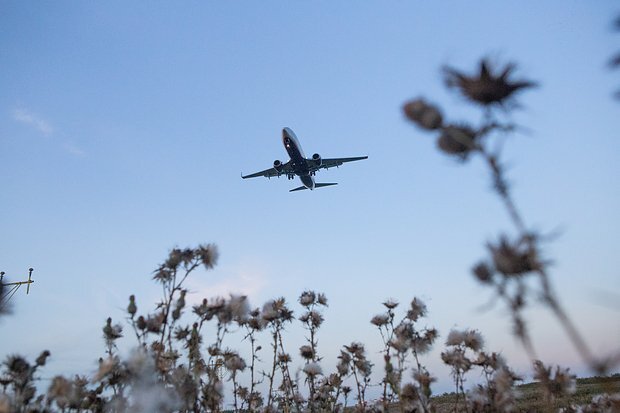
<point>332,162</point>
<point>271,172</point>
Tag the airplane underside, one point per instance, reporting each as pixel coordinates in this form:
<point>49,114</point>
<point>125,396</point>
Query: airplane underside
<point>299,165</point>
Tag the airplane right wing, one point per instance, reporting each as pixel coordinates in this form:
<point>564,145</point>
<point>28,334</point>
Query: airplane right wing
<point>271,172</point>
<point>332,162</point>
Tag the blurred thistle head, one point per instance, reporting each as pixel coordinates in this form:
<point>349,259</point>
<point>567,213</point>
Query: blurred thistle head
<point>483,273</point>
<point>489,86</point>
<point>560,384</point>
<point>390,303</point>
<point>112,332</point>
<point>423,114</point>
<point>132,308</point>
<point>416,310</point>
<point>458,140</point>
<point>239,307</point>
<point>473,340</point>
<point>233,362</point>
<point>380,320</point>
<point>307,298</point>
<point>455,338</point>
<point>40,361</point>
<point>313,369</point>
<point>208,255</point>
<point>515,258</point>
<point>306,352</point>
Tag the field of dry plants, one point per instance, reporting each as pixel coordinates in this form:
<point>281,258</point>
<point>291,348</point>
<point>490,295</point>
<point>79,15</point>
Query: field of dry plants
<point>177,367</point>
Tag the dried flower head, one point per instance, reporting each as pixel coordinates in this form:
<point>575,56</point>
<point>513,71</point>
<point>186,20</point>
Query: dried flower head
<point>40,361</point>
<point>458,140</point>
<point>208,255</point>
<point>132,308</point>
<point>284,358</point>
<point>416,310</point>
<point>239,307</point>
<point>483,273</point>
<point>455,338</point>
<point>473,340</point>
<point>233,362</point>
<point>488,86</point>
<point>560,384</point>
<point>515,258</point>
<point>380,320</point>
<point>307,352</point>
<point>111,332</point>
<point>307,298</point>
<point>313,369</point>
<point>390,304</point>
<point>424,115</point>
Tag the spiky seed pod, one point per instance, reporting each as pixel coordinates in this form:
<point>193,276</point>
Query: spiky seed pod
<point>239,307</point>
<point>486,87</point>
<point>380,320</point>
<point>313,369</point>
<point>234,363</point>
<point>417,309</point>
<point>514,258</point>
<point>455,338</point>
<point>424,115</point>
<point>40,361</point>
<point>208,255</point>
<point>132,308</point>
<point>473,340</point>
<point>307,298</point>
<point>483,273</point>
<point>390,303</point>
<point>112,332</point>
<point>306,352</point>
<point>457,140</point>
<point>141,323</point>
<point>284,358</point>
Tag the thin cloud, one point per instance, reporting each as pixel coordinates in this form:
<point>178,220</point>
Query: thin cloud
<point>44,127</point>
<point>29,118</point>
<point>74,150</point>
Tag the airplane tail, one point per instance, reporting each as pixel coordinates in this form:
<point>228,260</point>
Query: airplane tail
<point>317,185</point>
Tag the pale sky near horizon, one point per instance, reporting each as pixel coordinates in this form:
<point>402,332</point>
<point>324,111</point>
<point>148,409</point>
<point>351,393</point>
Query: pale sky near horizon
<point>124,128</point>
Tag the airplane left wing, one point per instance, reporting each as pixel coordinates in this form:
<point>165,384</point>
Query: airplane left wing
<point>271,172</point>
<point>332,162</point>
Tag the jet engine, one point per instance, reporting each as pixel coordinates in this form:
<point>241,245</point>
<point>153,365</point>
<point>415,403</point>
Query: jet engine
<point>277,165</point>
<point>316,158</point>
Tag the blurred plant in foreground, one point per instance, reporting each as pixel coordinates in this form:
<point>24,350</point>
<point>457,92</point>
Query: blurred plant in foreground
<point>512,260</point>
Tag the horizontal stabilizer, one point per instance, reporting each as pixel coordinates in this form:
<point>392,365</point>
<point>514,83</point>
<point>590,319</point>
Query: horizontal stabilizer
<point>317,185</point>
<point>299,188</point>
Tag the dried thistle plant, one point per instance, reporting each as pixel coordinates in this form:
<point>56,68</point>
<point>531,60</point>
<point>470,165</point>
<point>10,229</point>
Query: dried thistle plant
<point>312,320</point>
<point>401,340</point>
<point>511,260</point>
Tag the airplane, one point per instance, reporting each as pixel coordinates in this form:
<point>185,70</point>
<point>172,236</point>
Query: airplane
<point>304,168</point>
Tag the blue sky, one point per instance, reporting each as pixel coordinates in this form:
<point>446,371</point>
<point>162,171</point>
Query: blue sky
<point>124,129</point>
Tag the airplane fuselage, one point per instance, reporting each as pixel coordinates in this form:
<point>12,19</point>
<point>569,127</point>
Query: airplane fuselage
<point>298,159</point>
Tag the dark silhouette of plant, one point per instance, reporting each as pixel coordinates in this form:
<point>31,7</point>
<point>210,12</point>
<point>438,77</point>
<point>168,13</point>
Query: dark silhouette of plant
<point>512,260</point>
<point>614,62</point>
